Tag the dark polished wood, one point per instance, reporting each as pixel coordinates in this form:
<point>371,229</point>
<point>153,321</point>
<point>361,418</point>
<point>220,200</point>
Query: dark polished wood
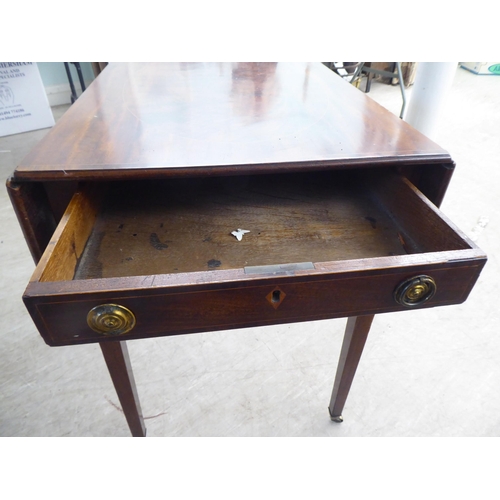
<point>118,363</point>
<point>352,347</point>
<point>154,166</point>
<point>433,182</point>
<point>359,241</point>
<point>219,118</point>
<point>35,217</point>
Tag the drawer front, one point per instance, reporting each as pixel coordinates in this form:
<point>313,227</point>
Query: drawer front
<point>103,277</point>
<point>64,320</point>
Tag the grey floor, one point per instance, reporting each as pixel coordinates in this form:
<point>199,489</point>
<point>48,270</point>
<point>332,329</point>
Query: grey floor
<point>434,372</point>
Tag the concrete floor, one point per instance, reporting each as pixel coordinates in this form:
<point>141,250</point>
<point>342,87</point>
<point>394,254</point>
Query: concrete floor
<point>434,372</point>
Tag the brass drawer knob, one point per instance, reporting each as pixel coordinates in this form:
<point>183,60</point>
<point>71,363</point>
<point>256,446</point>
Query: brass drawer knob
<point>415,291</point>
<point>111,319</point>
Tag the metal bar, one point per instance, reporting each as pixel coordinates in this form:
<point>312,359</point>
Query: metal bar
<point>358,71</point>
<point>279,268</point>
<point>380,72</point>
<point>402,86</point>
<point>80,75</point>
<point>71,85</point>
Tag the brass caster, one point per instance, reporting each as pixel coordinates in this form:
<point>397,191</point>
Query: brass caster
<point>335,418</point>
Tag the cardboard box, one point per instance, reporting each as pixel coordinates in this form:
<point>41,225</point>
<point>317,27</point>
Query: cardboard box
<point>482,68</point>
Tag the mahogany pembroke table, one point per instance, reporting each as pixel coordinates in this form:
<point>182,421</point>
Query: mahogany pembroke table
<point>184,198</point>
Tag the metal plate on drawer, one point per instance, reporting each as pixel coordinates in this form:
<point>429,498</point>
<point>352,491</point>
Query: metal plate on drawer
<point>279,268</point>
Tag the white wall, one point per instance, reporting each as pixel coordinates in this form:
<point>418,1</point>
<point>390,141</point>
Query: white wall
<point>55,80</point>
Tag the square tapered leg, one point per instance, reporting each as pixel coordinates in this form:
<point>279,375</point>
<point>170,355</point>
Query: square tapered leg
<point>118,362</point>
<point>352,347</point>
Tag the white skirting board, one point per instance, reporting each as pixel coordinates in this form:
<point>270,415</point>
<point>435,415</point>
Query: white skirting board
<point>61,94</point>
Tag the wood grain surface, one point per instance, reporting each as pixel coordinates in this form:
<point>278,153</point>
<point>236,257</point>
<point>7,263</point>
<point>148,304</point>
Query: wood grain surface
<point>221,117</point>
<point>177,227</point>
<point>164,250</point>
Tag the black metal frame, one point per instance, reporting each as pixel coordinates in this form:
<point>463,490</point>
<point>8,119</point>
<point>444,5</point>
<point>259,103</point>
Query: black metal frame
<point>74,97</point>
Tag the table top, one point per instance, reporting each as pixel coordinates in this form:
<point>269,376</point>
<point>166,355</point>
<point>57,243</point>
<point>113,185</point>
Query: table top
<point>178,118</point>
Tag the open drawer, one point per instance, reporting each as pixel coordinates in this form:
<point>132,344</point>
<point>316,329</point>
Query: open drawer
<point>150,258</point>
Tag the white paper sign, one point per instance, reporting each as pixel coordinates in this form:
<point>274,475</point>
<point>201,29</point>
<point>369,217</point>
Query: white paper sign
<point>23,102</point>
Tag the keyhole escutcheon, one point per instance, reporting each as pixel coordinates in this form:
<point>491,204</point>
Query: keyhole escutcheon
<point>276,297</point>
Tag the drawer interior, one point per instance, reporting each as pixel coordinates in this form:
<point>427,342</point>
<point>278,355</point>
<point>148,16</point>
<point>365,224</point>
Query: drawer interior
<point>170,226</point>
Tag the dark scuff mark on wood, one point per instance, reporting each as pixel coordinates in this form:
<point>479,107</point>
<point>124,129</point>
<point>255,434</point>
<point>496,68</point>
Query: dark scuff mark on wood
<point>372,221</point>
<point>156,243</point>
<point>403,243</point>
<point>213,264</point>
<point>88,264</point>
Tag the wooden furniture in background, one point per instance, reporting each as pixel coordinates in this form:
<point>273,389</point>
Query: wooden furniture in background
<point>130,203</point>
<point>97,67</point>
